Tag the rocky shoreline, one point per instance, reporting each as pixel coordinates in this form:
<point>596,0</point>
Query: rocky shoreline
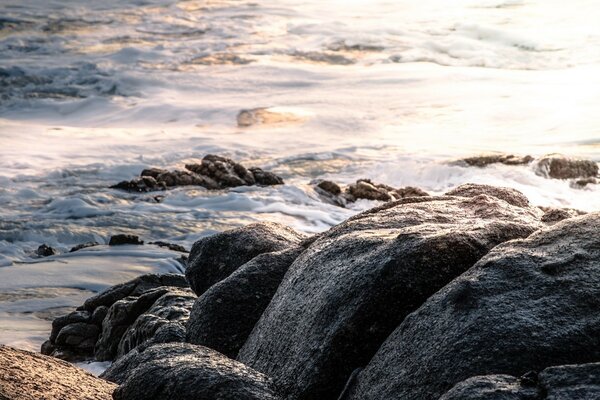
<point>474,294</point>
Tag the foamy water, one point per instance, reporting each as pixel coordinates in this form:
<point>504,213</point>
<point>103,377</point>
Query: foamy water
<point>93,92</point>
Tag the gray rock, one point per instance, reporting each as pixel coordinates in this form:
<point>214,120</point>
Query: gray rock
<point>185,372</point>
<point>560,167</point>
<point>142,184</point>
<point>223,317</point>
<point>410,191</point>
<point>224,171</point>
<point>553,215</point>
<point>265,178</point>
<point>366,189</point>
<point>214,258</point>
<point>78,334</point>
<point>570,382</point>
<point>488,159</point>
<point>171,308</point>
<point>527,305</point>
<point>348,291</point>
<point>121,239</point>
<point>511,196</point>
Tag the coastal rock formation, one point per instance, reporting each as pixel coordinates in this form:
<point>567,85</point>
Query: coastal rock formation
<point>30,376</point>
<point>557,166</point>
<point>351,288</point>
<point>215,257</point>
<point>527,305</point>
<point>511,196</point>
<point>82,246</point>
<point>487,159</point>
<point>214,172</point>
<point>560,382</point>
<point>121,239</point>
<point>185,372</point>
<point>86,331</point>
<point>223,317</point>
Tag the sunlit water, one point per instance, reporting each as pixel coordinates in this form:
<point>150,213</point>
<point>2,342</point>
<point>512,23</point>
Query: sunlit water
<point>91,92</point>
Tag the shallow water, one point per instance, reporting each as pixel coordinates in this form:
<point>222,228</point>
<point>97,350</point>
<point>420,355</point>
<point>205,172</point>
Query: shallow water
<point>93,92</point>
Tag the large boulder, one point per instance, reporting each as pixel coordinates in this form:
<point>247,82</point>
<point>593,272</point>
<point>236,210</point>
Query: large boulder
<point>511,196</point>
<point>29,376</point>
<point>215,257</point>
<point>223,317</point>
<point>527,305</point>
<point>560,167</point>
<point>348,291</point>
<point>570,382</point>
<point>185,372</point>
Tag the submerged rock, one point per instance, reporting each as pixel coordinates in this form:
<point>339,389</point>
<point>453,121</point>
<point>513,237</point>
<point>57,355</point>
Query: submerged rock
<point>215,257</point>
<point>83,246</point>
<point>351,288</point>
<point>560,167</point>
<point>560,382</point>
<point>141,184</point>
<point>121,239</point>
<point>185,372</point>
<point>366,189</point>
<point>363,189</point>
<point>45,251</point>
<point>223,317</point>
<point>29,376</point>
<point>266,116</point>
<point>527,305</point>
<point>487,159</point>
<point>170,246</point>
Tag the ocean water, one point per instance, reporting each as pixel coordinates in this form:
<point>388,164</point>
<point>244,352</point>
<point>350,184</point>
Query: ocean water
<point>92,92</point>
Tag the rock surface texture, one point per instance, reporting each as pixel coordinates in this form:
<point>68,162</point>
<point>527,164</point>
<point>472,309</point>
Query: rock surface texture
<point>560,167</point>
<point>185,372</point>
<point>347,292</point>
<point>527,305</point>
<point>30,376</point>
<point>215,257</point>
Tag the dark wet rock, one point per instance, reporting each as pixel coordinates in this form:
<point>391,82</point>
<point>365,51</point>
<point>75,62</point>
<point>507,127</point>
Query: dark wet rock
<point>511,196</point>
<point>553,215</point>
<point>153,172</point>
<point>265,178</point>
<point>527,305</point>
<point>214,258</point>
<point>74,336</point>
<point>560,167</point>
<point>170,246</point>
<point>171,308</point>
<point>45,251</point>
<point>186,372</point>
<point>83,246</point>
<point>141,184</point>
<point>410,191</point>
<point>571,382</point>
<point>186,178</point>
<point>29,376</point>
<point>366,189</point>
<point>584,182</point>
<point>224,171</point>
<point>121,239</point>
<point>223,317</point>
<point>488,159</point>
<point>351,288</point>
<point>330,187</point>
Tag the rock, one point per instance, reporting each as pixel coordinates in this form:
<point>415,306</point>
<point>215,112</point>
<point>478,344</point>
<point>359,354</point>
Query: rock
<point>582,183</point>
<point>153,172</point>
<point>266,116</point>
<point>121,239</point>
<point>141,184</point>
<point>527,305</point>
<point>223,317</point>
<point>214,258</point>
<point>365,189</point>
<point>488,159</point>
<point>224,171</point>
<point>185,372</point>
<point>560,167</point>
<point>74,336</point>
<point>170,246</point>
<point>265,178</point>
<point>185,178</point>
<point>351,288</point>
<point>511,196</point>
<point>410,191</point>
<point>45,251</point>
<point>329,187</point>
<point>171,308</point>
<point>30,376</point>
<point>560,382</point>
<point>553,215</point>
<point>83,246</point>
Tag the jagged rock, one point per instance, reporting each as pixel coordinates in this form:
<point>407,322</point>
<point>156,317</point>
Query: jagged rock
<point>83,246</point>
<point>185,372</point>
<point>527,305</point>
<point>223,317</point>
<point>509,195</point>
<point>487,159</point>
<point>410,191</point>
<point>45,251</point>
<point>553,215</point>
<point>351,288</point>
<point>121,239</point>
<point>73,336</point>
<point>560,167</point>
<point>30,376</point>
<point>153,172</point>
<point>171,308</point>
<point>224,171</point>
<point>185,178</point>
<point>214,258</point>
<point>265,178</point>
<point>141,184</point>
<point>170,246</point>
<point>365,189</point>
<point>561,382</point>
